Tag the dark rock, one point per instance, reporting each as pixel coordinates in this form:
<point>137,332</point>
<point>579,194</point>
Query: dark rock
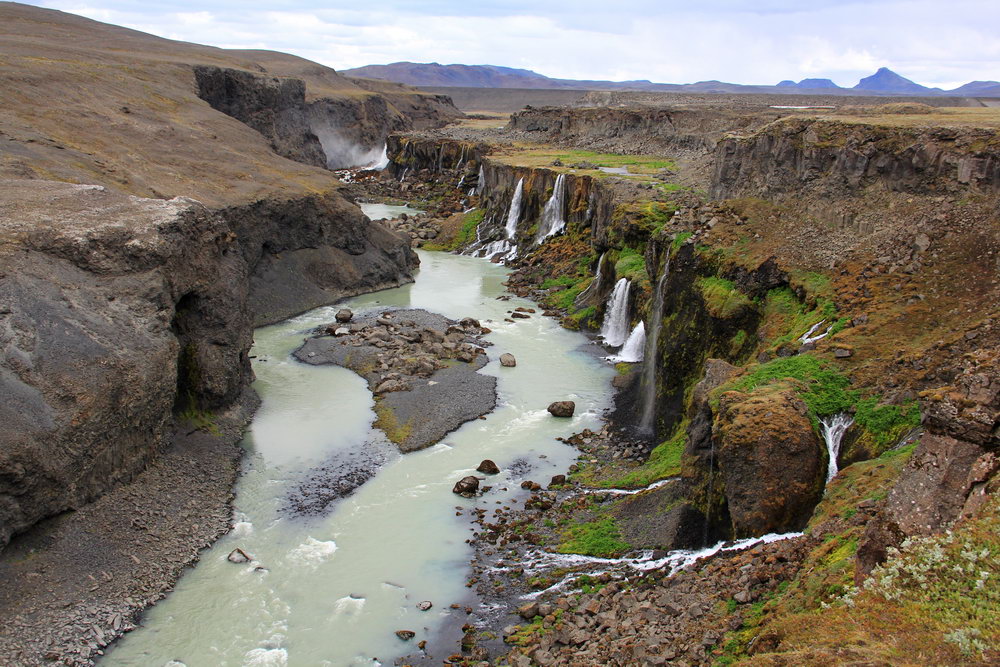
<point>562,408</point>
<point>467,486</point>
<point>406,635</point>
<point>842,353</point>
<point>344,315</point>
<point>557,480</point>
<point>488,467</point>
<point>521,316</point>
<point>237,555</point>
<point>425,605</point>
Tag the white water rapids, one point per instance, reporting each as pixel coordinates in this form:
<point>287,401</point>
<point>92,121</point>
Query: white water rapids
<point>833,433</point>
<point>338,585</point>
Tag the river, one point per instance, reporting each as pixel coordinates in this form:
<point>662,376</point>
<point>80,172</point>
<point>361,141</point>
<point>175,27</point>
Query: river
<point>332,589</point>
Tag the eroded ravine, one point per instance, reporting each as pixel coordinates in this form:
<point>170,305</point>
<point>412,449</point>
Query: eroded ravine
<point>337,584</point>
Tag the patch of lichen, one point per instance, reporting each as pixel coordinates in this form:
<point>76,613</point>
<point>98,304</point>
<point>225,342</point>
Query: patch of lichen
<point>387,422</point>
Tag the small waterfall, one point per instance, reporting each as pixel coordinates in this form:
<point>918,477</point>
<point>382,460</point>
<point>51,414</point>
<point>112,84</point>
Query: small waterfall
<point>592,288</point>
<point>833,432</point>
<point>514,214</point>
<point>382,161</point>
<point>634,347</point>
<point>647,387</point>
<point>402,178</point>
<point>616,318</point>
<point>461,160</point>
<point>552,221</point>
<point>461,182</point>
<point>808,337</point>
<point>480,182</point>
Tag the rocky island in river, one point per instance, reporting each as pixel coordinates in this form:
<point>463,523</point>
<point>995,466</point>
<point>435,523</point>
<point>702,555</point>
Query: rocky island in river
<point>651,379</point>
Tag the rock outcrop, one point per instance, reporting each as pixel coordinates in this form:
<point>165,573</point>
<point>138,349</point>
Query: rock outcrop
<point>117,312</point>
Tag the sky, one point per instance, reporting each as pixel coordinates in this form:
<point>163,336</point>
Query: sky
<point>942,43</point>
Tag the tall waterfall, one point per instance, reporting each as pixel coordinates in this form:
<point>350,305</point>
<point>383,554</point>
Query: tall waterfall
<point>594,285</point>
<point>552,221</point>
<point>633,349</point>
<point>480,181</point>
<point>615,328</point>
<point>647,386</point>
<point>833,432</point>
<point>514,214</point>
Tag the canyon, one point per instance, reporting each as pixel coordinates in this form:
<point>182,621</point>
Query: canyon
<point>788,410</point>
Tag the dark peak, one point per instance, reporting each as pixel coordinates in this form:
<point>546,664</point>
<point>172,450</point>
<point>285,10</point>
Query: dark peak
<point>887,81</point>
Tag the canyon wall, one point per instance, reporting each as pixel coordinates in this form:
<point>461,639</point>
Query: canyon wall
<point>117,313</point>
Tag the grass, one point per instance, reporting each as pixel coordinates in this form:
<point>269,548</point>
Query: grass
<point>598,537</point>
<point>786,318</point>
<point>201,420</point>
<point>722,299</point>
<point>886,423</point>
<point>640,167</point>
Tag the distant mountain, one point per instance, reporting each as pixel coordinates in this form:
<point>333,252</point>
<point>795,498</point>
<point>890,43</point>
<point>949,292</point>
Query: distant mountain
<point>809,84</point>
<point>883,82</point>
<point>887,81</point>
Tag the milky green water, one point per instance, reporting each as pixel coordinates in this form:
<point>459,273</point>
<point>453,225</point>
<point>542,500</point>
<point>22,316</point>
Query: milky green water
<point>337,586</point>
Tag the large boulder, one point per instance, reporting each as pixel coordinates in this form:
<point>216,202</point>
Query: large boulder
<point>467,486</point>
<point>507,359</point>
<point>562,408</point>
<point>771,460</point>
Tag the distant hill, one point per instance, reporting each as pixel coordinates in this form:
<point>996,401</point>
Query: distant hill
<point>883,82</point>
<point>887,81</point>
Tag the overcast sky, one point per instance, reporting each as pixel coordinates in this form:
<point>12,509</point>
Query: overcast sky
<point>934,42</point>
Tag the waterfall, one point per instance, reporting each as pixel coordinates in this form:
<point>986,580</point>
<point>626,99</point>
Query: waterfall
<point>616,318</point>
<point>833,432</point>
<point>382,161</point>
<point>645,561</point>
<point>480,182</point>
<point>594,285</point>
<point>552,221</point>
<point>647,386</point>
<point>403,177</point>
<point>808,337</point>
<point>514,214</point>
<point>633,349</point>
<point>461,159</point>
<point>461,182</point>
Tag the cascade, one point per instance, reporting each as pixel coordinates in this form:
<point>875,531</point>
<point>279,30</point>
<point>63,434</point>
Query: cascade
<point>552,221</point>
<point>647,386</point>
<point>833,432</point>
<point>616,318</point>
<point>808,337</point>
<point>594,285</point>
<point>480,182</point>
<point>646,561</point>
<point>403,177</point>
<point>461,160</point>
<point>633,349</point>
<point>514,214</point>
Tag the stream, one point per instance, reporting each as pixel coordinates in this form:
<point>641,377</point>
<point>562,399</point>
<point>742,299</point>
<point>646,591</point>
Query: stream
<point>332,586</point>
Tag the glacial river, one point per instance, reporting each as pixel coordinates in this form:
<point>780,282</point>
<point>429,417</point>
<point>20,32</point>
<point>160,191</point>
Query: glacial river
<point>332,588</point>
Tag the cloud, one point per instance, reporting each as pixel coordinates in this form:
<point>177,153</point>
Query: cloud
<point>669,41</point>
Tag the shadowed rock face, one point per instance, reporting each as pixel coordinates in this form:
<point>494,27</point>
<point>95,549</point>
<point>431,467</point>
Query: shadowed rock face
<point>117,311</point>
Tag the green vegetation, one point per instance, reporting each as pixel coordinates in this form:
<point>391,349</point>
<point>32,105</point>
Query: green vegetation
<point>824,392</point>
<point>663,462</point>
<point>679,240</point>
<point>786,318</point>
<point>599,537</point>
<point>464,236</point>
<point>886,423</point>
<point>721,296</point>
<point>387,421</point>
<point>631,265</point>
<point>201,420</point>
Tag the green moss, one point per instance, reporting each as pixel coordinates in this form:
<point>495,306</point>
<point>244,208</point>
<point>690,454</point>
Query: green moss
<point>886,423</point>
<point>201,420</point>
<point>581,317</point>
<point>466,233</point>
<point>559,281</point>
<point>599,537</point>
<point>663,462</point>
<point>721,296</point>
<point>679,240</point>
<point>389,424</point>
<point>825,390</point>
<point>737,342</point>
<point>631,265</point>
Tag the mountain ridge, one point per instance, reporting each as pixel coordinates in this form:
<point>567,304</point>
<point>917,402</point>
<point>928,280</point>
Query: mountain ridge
<point>882,82</point>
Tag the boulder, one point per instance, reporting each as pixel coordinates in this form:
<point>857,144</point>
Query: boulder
<point>344,315</point>
<point>507,359</point>
<point>488,467</point>
<point>562,408</point>
<point>406,635</point>
<point>771,460</point>
<point>467,486</point>
<point>425,605</point>
<point>237,555</point>
<point>557,480</point>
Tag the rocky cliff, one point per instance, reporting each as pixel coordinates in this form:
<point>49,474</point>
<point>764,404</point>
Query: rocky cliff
<point>119,312</point>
